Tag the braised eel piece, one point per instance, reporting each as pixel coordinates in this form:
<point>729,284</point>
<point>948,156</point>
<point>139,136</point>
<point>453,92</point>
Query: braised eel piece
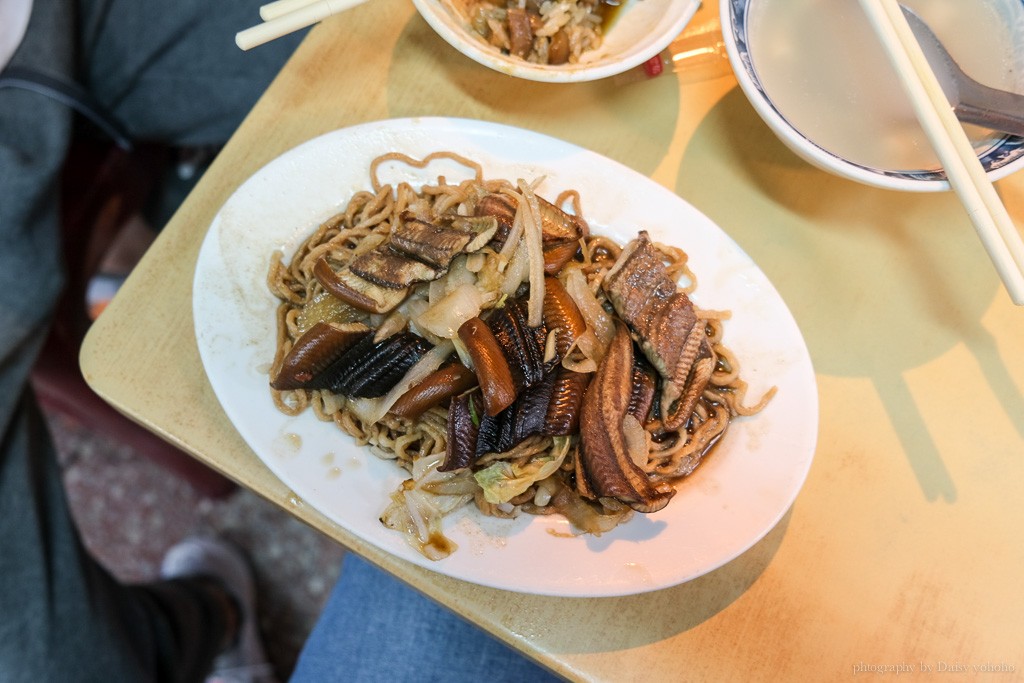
<point>500,207</point>
<point>490,364</point>
<point>464,415</point>
<point>564,402</point>
<point>522,345</point>
<point>605,467</point>
<point>315,351</point>
<point>663,319</point>
<point>371,368</point>
<point>431,243</point>
<point>416,251</point>
<point>524,418</point>
<point>560,231</point>
<point>436,388</point>
<point>562,316</point>
<point>549,408</point>
<point>388,268</point>
<point>521,394</point>
<point>356,291</point>
<point>645,385</point>
<point>507,354</point>
<point>347,360</point>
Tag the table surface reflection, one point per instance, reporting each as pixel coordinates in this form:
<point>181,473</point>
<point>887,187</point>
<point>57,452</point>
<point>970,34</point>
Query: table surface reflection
<point>901,548</point>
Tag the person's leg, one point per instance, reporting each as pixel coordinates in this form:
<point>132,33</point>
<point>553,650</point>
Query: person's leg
<point>375,628</point>
<point>64,616</point>
<point>171,72</point>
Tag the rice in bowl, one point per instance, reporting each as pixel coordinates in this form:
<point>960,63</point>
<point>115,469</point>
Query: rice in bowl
<point>539,32</point>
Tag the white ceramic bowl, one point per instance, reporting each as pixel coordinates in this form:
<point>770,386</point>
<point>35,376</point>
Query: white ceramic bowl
<point>642,29</point>
<point>1000,154</point>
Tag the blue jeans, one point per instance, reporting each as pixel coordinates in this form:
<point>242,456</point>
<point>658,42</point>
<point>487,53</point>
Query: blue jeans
<point>377,629</point>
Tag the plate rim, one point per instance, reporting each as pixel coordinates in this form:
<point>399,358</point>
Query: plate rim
<point>489,130</point>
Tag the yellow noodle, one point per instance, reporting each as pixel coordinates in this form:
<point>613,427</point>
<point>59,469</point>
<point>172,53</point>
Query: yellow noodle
<point>526,449</point>
<point>421,163</point>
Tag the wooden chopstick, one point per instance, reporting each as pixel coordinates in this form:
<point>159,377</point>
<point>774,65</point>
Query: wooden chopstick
<point>966,176</point>
<point>275,9</point>
<point>294,18</point>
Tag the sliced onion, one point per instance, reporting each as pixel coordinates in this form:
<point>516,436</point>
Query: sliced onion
<point>422,467</point>
<point>636,440</point>
<point>475,261</point>
<point>459,273</point>
<point>463,353</point>
<point>546,488</point>
<point>418,515</point>
<point>369,242</point>
<point>436,291</point>
<point>584,354</point>
<point>444,318</point>
<point>393,323</point>
<point>514,235</point>
<point>490,275</point>
<point>331,402</point>
<point>366,409</point>
<point>585,517</point>
<point>463,484</point>
<point>534,238</point>
<point>550,343</point>
<point>517,271</point>
<point>597,318</point>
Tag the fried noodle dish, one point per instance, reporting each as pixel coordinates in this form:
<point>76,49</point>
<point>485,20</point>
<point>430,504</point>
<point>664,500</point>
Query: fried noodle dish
<point>481,337</point>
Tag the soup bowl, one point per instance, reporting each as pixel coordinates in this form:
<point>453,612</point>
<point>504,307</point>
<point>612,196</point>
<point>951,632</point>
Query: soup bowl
<point>818,76</point>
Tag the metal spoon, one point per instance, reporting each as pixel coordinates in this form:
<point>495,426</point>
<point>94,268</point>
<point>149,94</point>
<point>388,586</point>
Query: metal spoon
<point>972,101</point>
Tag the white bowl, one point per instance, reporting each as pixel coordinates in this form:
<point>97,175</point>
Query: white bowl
<point>642,29</point>
<point>999,154</point>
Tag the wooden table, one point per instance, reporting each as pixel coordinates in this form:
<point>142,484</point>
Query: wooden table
<point>903,548</point>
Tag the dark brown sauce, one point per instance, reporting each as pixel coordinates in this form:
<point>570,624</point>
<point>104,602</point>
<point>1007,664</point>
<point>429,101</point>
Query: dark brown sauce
<point>440,543</point>
<point>609,11</point>
<point>712,408</point>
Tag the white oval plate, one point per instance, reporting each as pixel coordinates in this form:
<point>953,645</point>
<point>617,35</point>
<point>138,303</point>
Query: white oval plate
<point>642,29</point>
<point>727,505</point>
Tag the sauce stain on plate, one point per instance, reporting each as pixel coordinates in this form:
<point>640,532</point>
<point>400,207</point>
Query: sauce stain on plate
<point>287,445</point>
<point>637,573</point>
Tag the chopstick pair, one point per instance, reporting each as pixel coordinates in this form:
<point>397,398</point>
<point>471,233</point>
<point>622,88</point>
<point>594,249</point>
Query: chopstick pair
<point>965,173</point>
<point>282,17</point>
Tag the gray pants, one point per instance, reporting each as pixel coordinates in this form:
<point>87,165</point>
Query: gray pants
<point>170,72</point>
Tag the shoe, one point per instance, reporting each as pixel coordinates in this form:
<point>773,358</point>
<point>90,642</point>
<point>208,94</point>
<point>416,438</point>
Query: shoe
<point>245,661</point>
<point>123,253</point>
<point>101,290</point>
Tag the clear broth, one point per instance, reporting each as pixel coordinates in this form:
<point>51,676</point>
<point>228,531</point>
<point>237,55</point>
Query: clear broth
<point>823,68</point>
